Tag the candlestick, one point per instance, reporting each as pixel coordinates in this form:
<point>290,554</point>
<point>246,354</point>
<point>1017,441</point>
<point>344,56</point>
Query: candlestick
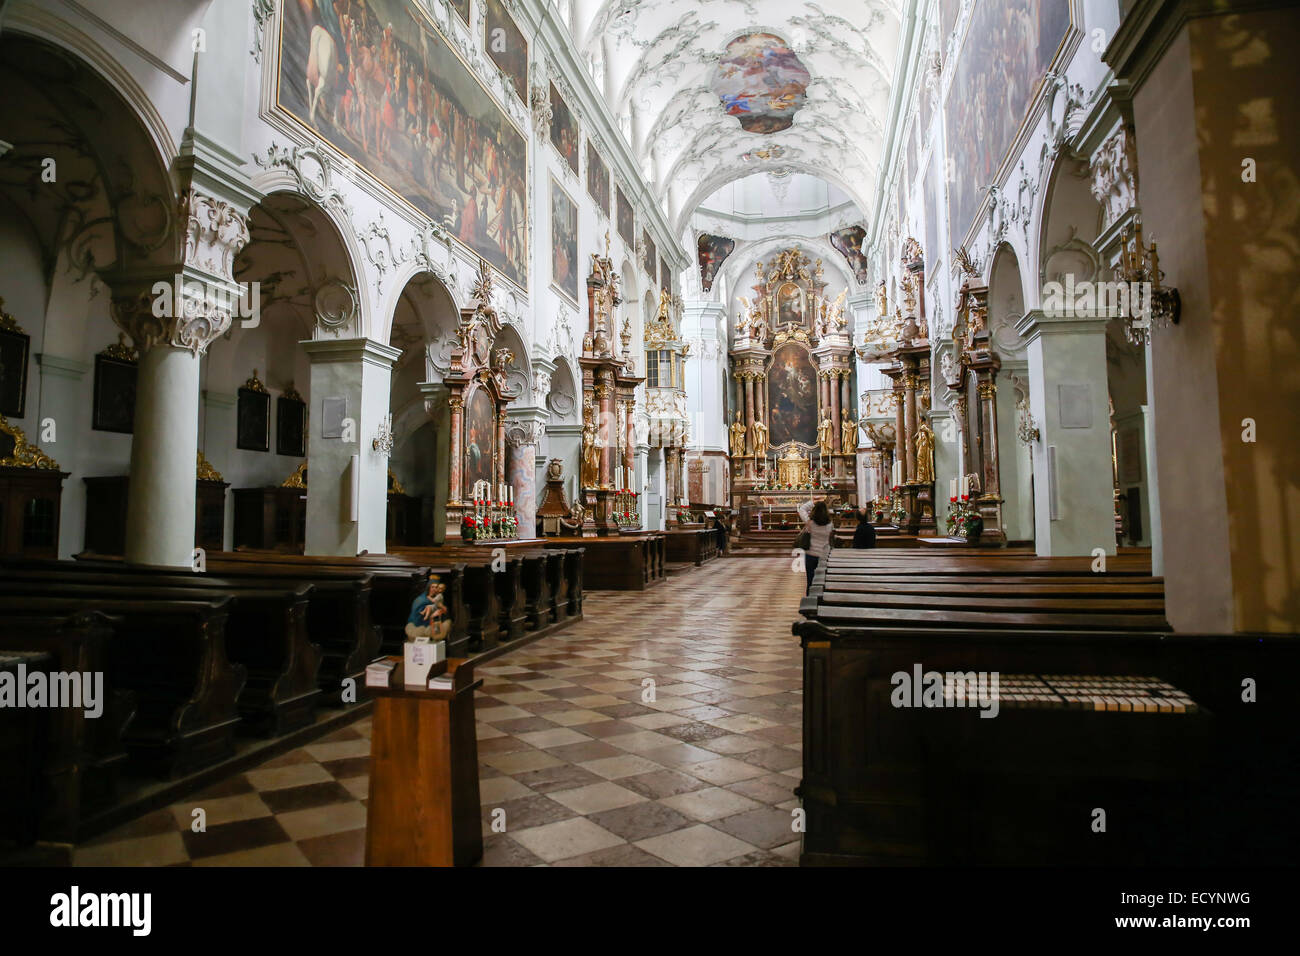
<point>965,485</point>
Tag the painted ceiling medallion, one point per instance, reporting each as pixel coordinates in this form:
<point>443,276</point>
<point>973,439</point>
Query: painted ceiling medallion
<point>764,154</point>
<point>761,82</point>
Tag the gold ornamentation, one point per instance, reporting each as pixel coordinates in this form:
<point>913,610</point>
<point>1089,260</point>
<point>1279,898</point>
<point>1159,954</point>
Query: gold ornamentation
<point>291,393</point>
<point>7,322</point>
<point>759,443</point>
<point>659,331</point>
<point>24,455</point>
<point>849,436</point>
<point>456,403</point>
<point>121,351</point>
<point>987,389</point>
<point>254,384</point>
<point>792,468</point>
<point>737,438</point>
<point>298,479</point>
<point>924,454</point>
<point>204,470</point>
<point>825,441</point>
<point>394,486</point>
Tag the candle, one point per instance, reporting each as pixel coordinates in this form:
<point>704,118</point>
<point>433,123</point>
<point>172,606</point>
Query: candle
<point>952,488</point>
<point>965,485</point>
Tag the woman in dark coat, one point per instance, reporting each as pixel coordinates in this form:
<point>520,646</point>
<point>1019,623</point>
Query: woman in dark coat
<point>864,536</point>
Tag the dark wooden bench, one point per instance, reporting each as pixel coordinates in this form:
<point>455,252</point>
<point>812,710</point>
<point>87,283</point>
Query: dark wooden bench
<point>267,631</point>
<point>172,655</point>
<point>691,545</point>
<point>624,562</point>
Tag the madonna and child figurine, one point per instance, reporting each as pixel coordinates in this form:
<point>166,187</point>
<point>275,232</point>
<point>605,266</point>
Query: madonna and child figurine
<point>429,614</point>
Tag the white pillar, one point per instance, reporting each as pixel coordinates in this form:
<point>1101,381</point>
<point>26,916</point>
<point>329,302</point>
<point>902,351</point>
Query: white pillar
<point>356,372</point>
<point>1068,398</point>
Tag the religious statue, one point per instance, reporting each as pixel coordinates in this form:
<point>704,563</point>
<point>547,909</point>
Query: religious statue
<point>758,330</point>
<point>590,451</point>
<point>924,454</point>
<point>759,443</point>
<point>849,436</point>
<point>825,431</point>
<point>737,438</point>
<point>882,298</point>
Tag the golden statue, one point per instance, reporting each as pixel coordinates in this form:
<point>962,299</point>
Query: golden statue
<point>759,443</point>
<point>882,298</point>
<point>825,441</point>
<point>924,454</point>
<point>590,451</point>
<point>737,438</point>
<point>849,436</point>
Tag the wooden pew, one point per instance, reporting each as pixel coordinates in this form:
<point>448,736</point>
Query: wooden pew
<point>171,654</point>
<point>266,632</point>
<point>624,562</point>
<point>71,762</point>
<point>691,545</point>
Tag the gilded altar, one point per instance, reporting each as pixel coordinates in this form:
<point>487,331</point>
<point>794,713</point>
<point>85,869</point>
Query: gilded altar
<point>792,468</point>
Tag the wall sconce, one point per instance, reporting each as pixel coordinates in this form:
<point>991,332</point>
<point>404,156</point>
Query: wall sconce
<point>1140,266</point>
<point>1027,428</point>
<point>383,444</point>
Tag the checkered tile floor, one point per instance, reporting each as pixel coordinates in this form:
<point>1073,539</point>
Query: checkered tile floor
<point>577,766</point>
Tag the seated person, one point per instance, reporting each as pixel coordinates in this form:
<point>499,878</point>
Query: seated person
<point>429,615</point>
<point>864,536</point>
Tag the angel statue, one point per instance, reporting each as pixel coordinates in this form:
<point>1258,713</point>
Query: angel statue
<point>760,438</point>
<point>849,436</point>
<point>924,453</point>
<point>737,438</point>
<point>824,440</point>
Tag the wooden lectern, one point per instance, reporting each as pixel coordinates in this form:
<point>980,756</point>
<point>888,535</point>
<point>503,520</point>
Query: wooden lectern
<point>424,804</point>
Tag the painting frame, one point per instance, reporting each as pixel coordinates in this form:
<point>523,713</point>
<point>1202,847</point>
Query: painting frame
<point>792,417</point>
<point>707,247</point>
<point>472,424</point>
<point>598,178</point>
<point>650,261</point>
<point>565,284</point>
<point>452,78</point>
<point>461,9</point>
<point>253,420</point>
<point>15,352</point>
<point>290,427</point>
<point>113,395</point>
<point>564,123</point>
<point>964,145</point>
<point>625,224</point>
<point>497,17</point>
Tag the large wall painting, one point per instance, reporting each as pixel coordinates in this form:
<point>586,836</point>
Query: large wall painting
<point>934,254</point>
<point>462,9</point>
<point>792,395</point>
<point>480,437</point>
<point>506,45</point>
<point>564,129</point>
<point>712,251</point>
<point>564,242</point>
<point>1008,47</point>
<point>380,84</point>
<point>761,82</point>
<point>848,243</point>
<point>790,305</point>
<point>626,218</point>
<point>651,260</point>
<point>597,178</point>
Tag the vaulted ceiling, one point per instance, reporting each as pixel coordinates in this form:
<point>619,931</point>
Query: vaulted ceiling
<point>667,66</point>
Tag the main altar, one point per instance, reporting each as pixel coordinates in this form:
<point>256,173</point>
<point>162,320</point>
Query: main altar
<point>794,434</point>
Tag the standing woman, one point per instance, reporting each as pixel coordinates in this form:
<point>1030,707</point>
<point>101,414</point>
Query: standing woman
<point>817,523</point>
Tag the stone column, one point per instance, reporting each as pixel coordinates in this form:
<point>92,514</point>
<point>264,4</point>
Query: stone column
<point>909,426</point>
<point>499,473</point>
<point>456,405</point>
<point>522,438</point>
<point>832,382</point>
<point>1068,398</point>
<point>959,415</point>
<point>900,433</point>
<point>605,428</point>
<point>172,327</point>
<point>988,390</point>
<point>359,372</point>
<point>749,401</point>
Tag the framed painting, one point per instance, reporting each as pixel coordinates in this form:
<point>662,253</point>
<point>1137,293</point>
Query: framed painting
<point>564,242</point>
<point>711,252</point>
<point>462,9</point>
<point>564,129</point>
<point>15,345</point>
<point>790,307</point>
<point>626,218</point>
<point>290,426</point>
<point>442,144</point>
<point>113,407</point>
<point>651,261</point>
<point>480,437</point>
<point>1007,48</point>
<point>848,243</point>
<point>506,45</point>
<point>792,395</point>
<point>253,420</point>
<point>597,178</point>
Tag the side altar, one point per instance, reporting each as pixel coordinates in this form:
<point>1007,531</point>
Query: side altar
<point>794,434</point>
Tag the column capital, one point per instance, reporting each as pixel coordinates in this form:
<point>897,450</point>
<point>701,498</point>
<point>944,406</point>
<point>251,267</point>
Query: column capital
<point>1035,324</point>
<point>363,350</point>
